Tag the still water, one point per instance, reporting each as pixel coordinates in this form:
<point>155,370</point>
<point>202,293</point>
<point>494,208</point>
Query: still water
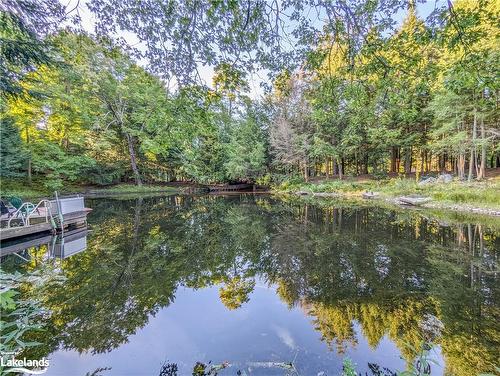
<point>261,283</point>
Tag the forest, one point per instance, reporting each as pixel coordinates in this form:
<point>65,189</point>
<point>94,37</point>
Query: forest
<point>341,99</point>
<point>357,93</point>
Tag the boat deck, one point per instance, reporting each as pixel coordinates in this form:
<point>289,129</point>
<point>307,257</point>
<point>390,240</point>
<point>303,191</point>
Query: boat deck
<point>41,227</point>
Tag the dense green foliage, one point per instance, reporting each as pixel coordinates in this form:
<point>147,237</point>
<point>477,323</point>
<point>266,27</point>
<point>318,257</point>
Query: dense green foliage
<point>393,104</point>
<point>11,150</point>
<point>416,98</point>
<point>23,25</point>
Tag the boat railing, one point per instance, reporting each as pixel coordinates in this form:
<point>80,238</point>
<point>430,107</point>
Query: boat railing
<point>67,204</point>
<point>27,211</point>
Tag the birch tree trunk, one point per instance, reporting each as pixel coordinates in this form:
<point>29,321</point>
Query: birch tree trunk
<point>133,159</point>
<point>461,165</point>
<point>472,152</point>
<point>482,170</point>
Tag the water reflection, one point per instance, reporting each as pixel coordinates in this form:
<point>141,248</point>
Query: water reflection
<point>58,246</point>
<point>363,276</point>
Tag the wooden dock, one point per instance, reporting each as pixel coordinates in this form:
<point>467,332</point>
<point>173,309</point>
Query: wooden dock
<point>229,187</point>
<point>73,242</point>
<point>45,217</point>
<point>69,219</point>
<point>13,246</point>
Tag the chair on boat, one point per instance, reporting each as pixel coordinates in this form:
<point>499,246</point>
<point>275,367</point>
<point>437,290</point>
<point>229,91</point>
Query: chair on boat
<point>5,210</point>
<point>23,209</point>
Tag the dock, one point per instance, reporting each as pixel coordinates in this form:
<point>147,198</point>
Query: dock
<point>48,216</point>
<point>229,187</point>
<point>59,246</point>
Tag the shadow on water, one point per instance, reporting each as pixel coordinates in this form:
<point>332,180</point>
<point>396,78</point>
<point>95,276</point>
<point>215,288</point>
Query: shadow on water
<point>357,272</point>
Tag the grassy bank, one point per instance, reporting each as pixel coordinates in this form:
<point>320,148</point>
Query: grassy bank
<point>485,194</point>
<point>36,190</point>
<point>454,195</point>
<point>130,188</point>
<point>19,188</point>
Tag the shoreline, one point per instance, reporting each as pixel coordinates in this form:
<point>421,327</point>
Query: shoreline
<point>393,200</point>
<point>299,190</point>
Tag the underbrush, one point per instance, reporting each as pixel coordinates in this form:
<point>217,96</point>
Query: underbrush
<point>130,188</point>
<point>20,188</point>
<point>486,193</point>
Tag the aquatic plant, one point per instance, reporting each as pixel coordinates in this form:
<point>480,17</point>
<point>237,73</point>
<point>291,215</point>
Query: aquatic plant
<point>19,317</point>
<point>348,368</point>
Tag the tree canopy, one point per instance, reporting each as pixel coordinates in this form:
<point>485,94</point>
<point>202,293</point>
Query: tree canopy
<point>350,91</point>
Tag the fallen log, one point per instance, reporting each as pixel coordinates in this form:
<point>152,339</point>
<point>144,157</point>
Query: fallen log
<point>370,195</point>
<point>413,200</point>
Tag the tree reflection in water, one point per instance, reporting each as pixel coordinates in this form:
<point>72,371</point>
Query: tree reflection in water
<point>384,269</point>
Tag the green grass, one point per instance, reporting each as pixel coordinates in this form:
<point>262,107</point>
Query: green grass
<point>130,188</point>
<point>484,194</point>
<point>19,188</point>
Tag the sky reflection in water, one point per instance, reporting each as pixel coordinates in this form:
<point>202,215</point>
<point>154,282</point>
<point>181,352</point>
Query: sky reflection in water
<point>198,327</point>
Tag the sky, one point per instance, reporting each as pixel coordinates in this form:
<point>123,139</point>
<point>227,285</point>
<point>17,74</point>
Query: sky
<point>88,20</point>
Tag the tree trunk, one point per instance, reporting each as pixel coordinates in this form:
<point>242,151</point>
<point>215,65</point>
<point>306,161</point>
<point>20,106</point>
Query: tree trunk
<point>29,157</point>
<point>393,159</point>
<point>341,168</point>
<point>482,170</point>
<point>398,160</point>
<point>29,170</point>
<point>422,160</point>
<point>133,159</point>
<point>472,152</point>
<point>461,166</point>
<point>408,160</point>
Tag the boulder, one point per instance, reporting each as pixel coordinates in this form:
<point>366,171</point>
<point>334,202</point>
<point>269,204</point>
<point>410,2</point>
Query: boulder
<point>427,181</point>
<point>445,178</point>
<point>413,200</point>
<point>370,195</point>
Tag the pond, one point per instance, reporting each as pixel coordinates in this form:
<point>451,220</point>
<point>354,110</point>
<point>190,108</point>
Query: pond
<point>260,282</point>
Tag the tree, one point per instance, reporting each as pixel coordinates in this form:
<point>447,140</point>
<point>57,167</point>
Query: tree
<point>246,151</point>
<point>235,292</point>
<point>96,105</point>
<point>252,34</point>
<point>12,153</point>
<point>290,129</point>
<point>413,53</point>
<point>467,95</point>
<point>23,25</point>
<point>229,82</point>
